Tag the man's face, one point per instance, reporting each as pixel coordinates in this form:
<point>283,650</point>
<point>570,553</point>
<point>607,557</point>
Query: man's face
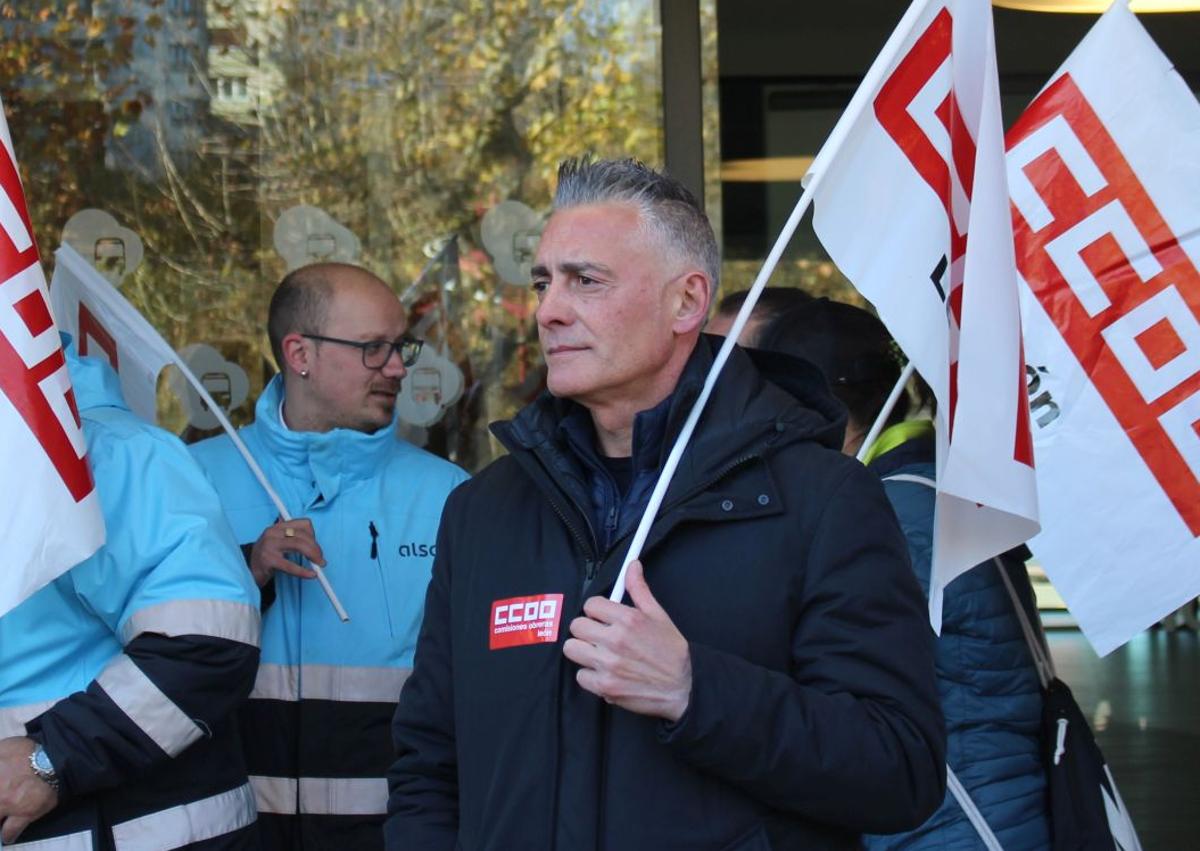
<point>347,394</point>
<point>607,307</point>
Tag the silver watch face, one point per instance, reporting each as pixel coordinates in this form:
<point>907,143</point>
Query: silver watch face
<point>42,762</point>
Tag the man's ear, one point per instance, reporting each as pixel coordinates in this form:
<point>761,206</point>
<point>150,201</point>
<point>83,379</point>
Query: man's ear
<point>693,296</point>
<point>297,353</point>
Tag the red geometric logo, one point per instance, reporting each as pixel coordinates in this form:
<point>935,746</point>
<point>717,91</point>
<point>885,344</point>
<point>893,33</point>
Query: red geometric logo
<point>33,370</point>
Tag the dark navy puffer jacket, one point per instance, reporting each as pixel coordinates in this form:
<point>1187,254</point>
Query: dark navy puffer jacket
<point>989,687</point>
<point>813,714</point>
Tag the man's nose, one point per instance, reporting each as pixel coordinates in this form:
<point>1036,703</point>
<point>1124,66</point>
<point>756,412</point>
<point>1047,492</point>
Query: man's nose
<point>553,307</point>
<point>394,366</point>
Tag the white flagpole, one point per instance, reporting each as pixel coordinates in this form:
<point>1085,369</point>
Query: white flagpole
<point>886,410</point>
<point>284,514</point>
<point>858,103</point>
<point>689,426</point>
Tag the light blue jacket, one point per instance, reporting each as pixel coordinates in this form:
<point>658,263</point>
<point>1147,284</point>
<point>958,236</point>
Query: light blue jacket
<point>128,666</point>
<point>343,481</point>
<point>375,502</point>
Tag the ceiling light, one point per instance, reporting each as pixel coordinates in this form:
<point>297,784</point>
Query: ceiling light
<point>1095,7</point>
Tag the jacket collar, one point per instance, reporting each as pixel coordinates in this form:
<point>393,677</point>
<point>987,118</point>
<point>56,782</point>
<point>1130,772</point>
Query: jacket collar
<point>649,429</point>
<point>761,399</point>
<point>901,445</point>
<point>333,458</point>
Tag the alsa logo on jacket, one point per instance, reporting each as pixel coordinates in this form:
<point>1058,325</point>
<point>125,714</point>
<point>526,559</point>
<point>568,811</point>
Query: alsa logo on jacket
<point>518,621</point>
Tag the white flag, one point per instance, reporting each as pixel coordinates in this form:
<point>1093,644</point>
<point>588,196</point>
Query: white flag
<point>1104,170</point>
<point>913,207</point>
<point>50,518</point>
<point>105,325</point>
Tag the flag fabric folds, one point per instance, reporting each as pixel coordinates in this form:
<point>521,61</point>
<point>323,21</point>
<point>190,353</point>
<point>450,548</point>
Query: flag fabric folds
<point>912,205</point>
<point>104,324</point>
<point>50,518</point>
<point>1104,171</point>
<point>107,325</point>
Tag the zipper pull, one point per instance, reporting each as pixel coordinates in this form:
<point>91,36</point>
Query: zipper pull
<point>589,573</point>
<point>1060,744</point>
<point>374,538</point>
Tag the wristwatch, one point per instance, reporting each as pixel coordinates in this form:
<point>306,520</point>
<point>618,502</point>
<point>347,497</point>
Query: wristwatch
<point>43,768</point>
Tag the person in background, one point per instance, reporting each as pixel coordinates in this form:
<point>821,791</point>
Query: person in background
<point>366,506</point>
<point>120,678</point>
<point>771,302</point>
<point>990,693</point>
<point>768,684</point>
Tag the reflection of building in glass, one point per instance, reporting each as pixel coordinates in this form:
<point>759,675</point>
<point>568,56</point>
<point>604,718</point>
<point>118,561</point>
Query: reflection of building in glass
<point>203,122</point>
<point>242,76</point>
<point>158,96</point>
<point>137,66</point>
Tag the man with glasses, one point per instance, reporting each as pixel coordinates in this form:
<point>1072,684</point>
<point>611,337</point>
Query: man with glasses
<point>366,507</point>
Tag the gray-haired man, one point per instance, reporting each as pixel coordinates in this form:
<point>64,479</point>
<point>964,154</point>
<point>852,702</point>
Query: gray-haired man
<point>770,681</point>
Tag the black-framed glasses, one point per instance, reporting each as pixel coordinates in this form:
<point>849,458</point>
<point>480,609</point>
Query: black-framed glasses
<point>376,353</point>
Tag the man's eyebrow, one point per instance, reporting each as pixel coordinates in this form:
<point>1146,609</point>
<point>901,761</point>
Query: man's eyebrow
<point>582,266</point>
<point>572,267</point>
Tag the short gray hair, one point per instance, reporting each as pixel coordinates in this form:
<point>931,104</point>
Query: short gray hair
<point>665,204</point>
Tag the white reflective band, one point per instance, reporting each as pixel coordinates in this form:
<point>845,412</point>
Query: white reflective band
<point>213,618</point>
<point>274,794</point>
<point>329,682</point>
<point>147,706</point>
<point>81,841</point>
<point>321,796</point>
<point>188,823</point>
<point>909,477</point>
<point>357,796</point>
<point>276,682</point>
<point>13,718</point>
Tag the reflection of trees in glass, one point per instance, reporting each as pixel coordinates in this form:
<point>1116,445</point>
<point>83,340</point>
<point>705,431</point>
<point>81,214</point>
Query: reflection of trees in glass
<point>406,121</point>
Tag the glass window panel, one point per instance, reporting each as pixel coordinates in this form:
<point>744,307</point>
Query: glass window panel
<point>419,139</point>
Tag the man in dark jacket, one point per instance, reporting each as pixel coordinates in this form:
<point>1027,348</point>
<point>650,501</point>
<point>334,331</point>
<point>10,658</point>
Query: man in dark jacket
<point>770,684</point>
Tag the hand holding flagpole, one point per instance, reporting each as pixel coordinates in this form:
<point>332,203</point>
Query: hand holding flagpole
<point>284,514</point>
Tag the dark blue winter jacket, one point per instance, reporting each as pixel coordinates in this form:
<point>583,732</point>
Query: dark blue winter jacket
<point>813,712</point>
<point>989,687</point>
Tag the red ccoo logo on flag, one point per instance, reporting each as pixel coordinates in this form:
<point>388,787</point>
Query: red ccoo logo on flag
<point>33,369</point>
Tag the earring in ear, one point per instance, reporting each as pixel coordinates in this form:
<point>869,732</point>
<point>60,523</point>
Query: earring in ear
<point>304,373</point>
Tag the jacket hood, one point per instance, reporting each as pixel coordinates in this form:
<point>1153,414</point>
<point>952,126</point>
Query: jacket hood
<point>330,457</point>
<point>95,383</point>
<point>758,396</point>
